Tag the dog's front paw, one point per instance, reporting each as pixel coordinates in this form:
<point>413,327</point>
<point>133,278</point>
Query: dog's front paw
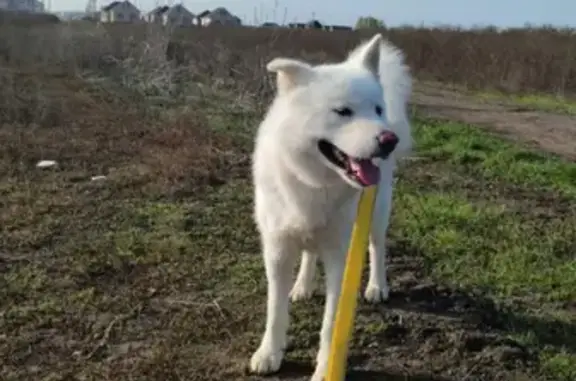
<point>321,366</point>
<point>375,294</point>
<point>266,361</point>
<point>301,291</point>
<point>318,376</point>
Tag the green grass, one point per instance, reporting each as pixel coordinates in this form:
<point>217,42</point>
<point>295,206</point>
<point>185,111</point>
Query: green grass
<point>481,244</point>
<point>542,102</point>
<point>112,282</point>
<point>514,235</point>
<point>490,240</point>
<point>473,152</point>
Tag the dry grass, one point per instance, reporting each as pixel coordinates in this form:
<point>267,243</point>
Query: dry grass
<point>154,272</point>
<point>516,60</point>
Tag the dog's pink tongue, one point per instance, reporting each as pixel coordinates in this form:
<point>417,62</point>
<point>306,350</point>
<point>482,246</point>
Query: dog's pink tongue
<point>366,171</point>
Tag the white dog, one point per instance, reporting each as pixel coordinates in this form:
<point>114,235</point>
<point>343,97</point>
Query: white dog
<point>332,130</point>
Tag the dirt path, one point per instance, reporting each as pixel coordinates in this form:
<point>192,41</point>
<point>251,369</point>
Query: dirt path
<point>547,131</point>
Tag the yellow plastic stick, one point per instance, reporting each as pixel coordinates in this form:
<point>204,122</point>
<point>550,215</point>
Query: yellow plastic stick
<point>347,302</point>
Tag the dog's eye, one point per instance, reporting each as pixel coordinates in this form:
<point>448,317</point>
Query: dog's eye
<point>379,110</point>
<point>344,111</point>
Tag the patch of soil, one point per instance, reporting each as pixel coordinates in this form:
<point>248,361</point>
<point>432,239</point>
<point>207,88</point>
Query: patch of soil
<point>442,332</point>
<point>431,333</point>
<point>547,131</point>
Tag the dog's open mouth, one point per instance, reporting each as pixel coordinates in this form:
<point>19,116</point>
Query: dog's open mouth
<point>360,170</point>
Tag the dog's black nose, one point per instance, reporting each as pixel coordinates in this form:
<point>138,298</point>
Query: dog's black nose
<point>387,141</point>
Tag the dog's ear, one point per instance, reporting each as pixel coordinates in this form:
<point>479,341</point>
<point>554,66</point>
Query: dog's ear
<point>290,73</point>
<point>368,54</point>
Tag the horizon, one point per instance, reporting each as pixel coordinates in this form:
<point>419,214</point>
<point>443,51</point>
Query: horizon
<point>496,13</point>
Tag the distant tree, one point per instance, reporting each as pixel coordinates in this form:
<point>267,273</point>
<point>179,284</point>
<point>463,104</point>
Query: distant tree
<point>314,24</point>
<point>369,22</point>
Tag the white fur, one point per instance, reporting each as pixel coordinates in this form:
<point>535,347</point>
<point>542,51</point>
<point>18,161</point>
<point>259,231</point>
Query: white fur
<point>306,205</point>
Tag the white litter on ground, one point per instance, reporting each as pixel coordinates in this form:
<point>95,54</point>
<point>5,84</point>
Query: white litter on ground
<point>96,178</point>
<point>46,164</point>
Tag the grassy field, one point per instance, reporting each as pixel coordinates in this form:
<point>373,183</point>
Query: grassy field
<point>154,273</point>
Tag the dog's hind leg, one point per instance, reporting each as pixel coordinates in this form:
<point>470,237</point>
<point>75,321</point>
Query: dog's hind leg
<point>279,258</point>
<point>377,289</point>
<point>304,285</point>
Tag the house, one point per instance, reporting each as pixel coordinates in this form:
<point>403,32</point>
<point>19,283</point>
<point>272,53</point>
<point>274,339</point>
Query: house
<point>270,25</point>
<point>178,15</point>
<point>314,24</point>
<point>200,16</point>
<point>120,11</point>
<point>337,27</point>
<point>219,16</point>
<point>155,15</point>
<point>297,25</point>
<point>34,6</point>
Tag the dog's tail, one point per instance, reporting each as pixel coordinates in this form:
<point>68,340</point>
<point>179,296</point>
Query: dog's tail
<point>397,84</point>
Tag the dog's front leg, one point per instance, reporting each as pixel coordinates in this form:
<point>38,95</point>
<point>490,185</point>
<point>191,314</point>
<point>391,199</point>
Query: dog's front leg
<point>334,263</point>
<point>377,289</point>
<point>279,259</point>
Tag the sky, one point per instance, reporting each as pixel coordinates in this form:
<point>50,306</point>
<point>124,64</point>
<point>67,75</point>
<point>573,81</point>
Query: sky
<point>501,13</point>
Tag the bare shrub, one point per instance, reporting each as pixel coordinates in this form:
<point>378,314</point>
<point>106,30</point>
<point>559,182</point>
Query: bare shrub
<point>154,69</point>
<point>512,60</point>
<point>143,66</point>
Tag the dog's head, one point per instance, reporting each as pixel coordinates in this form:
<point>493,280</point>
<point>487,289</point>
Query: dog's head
<point>344,116</point>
